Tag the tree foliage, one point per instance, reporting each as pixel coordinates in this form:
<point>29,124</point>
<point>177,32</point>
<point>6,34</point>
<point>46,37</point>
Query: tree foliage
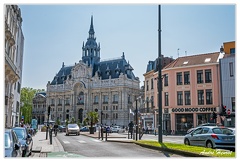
<point>92,118</point>
<point>26,99</point>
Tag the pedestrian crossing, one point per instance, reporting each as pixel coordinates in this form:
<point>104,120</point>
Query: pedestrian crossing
<point>82,141</point>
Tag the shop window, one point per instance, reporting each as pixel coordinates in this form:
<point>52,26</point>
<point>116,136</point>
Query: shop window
<point>183,123</point>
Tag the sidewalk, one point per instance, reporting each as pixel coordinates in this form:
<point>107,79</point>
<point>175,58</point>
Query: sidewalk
<point>41,146</point>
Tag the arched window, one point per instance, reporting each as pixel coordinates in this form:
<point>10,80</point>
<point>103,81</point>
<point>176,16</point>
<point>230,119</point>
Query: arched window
<point>80,98</point>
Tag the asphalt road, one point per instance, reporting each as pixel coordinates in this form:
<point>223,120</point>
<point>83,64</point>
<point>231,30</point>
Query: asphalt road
<point>83,146</point>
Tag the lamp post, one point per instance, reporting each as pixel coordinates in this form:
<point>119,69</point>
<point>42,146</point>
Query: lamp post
<point>159,78</point>
<point>136,120</point>
<point>49,108</point>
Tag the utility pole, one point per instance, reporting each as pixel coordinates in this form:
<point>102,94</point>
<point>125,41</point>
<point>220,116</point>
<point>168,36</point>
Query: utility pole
<point>159,78</point>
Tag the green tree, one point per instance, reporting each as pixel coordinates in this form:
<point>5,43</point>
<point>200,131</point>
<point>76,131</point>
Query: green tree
<point>92,118</point>
<point>26,97</point>
<point>72,120</point>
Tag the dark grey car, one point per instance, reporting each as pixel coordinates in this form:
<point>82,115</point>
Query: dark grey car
<point>211,137</point>
<point>25,140</point>
<point>12,144</point>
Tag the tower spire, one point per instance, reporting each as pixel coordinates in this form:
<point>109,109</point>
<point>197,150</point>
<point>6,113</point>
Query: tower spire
<point>91,30</point>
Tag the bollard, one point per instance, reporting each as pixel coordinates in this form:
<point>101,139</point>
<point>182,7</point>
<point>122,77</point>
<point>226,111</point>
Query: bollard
<point>50,135</point>
<point>98,133</point>
<point>106,135</point>
<point>102,132</point>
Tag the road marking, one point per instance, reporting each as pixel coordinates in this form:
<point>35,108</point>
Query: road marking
<point>82,141</point>
<point>66,142</point>
<point>96,140</point>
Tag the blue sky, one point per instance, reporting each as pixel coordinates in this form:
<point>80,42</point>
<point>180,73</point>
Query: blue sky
<point>54,33</point>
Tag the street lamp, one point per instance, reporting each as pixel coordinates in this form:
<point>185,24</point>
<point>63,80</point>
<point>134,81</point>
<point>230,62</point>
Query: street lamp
<point>49,108</point>
<point>159,76</point>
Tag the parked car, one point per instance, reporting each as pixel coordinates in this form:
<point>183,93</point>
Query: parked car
<point>62,128</point>
<point>12,144</point>
<point>211,137</point>
<point>116,129</point>
<point>233,130</point>
<point>205,124</point>
<point>72,129</point>
<point>25,139</point>
<point>84,129</point>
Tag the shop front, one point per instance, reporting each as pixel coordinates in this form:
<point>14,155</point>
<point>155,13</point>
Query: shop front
<point>183,119</point>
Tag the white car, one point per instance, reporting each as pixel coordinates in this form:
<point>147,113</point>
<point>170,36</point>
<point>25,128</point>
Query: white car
<point>72,129</point>
<point>116,129</point>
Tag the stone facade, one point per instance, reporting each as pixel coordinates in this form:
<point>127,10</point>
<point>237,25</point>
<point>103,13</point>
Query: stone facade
<point>14,44</point>
<point>108,86</point>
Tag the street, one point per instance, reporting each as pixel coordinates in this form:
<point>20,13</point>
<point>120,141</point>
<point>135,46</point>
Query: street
<point>91,147</point>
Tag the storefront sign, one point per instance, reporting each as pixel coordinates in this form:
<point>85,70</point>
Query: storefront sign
<point>202,109</point>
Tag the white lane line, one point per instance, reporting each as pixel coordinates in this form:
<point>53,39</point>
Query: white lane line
<point>95,140</point>
<point>82,141</point>
<point>66,142</point>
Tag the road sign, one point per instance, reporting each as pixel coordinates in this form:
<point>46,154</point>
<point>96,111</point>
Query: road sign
<point>228,111</point>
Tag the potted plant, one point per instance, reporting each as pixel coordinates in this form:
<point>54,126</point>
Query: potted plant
<point>92,118</point>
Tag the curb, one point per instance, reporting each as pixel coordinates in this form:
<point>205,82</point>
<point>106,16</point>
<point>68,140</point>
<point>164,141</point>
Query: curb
<point>179,152</point>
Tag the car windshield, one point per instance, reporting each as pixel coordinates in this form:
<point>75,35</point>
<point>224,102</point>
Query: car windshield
<point>7,140</point>
<point>222,131</point>
<point>20,133</point>
<point>72,125</point>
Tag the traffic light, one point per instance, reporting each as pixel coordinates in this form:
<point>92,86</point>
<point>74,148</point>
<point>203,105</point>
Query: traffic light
<point>224,110</point>
<point>49,108</point>
<point>214,115</point>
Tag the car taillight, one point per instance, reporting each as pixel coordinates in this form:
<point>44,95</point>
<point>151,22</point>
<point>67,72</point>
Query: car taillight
<point>214,136</point>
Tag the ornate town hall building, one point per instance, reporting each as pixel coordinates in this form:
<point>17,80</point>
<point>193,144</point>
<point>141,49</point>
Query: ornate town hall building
<point>109,86</point>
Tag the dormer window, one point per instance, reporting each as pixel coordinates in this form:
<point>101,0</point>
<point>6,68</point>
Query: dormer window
<point>108,70</point>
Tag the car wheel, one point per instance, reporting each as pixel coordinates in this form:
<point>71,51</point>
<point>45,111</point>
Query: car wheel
<point>209,144</point>
<point>186,142</point>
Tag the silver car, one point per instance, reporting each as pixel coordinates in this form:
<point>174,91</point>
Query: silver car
<point>72,129</point>
<point>211,137</point>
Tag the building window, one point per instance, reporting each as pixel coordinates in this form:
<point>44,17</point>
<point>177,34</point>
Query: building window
<point>52,102</point>
<point>152,83</point>
<point>95,99</point>
<point>187,98</point>
<point>179,98</point>
<point>152,100</point>
<point>179,78</point>
<point>19,87</point>
<point>231,69</point>
<point>199,76</point>
<point>59,101</point>
<point>129,99</point>
<point>233,104</point>
<point>147,86</point>
<point>208,96</point>
<point>80,98</point>
<point>186,77</point>
<point>183,122</point>
<point>67,101</point>
<point>166,99</point>
<point>105,99</point>
<point>166,80</point>
<point>200,97</point>
<point>232,50</point>
<point>115,98</point>
<point>208,76</point>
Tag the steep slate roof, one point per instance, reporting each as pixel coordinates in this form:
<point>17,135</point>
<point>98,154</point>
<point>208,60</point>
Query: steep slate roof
<point>193,60</point>
<point>64,71</point>
<point>113,66</point>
